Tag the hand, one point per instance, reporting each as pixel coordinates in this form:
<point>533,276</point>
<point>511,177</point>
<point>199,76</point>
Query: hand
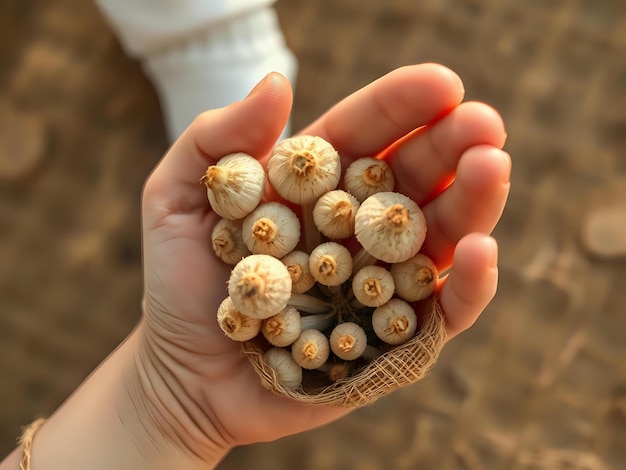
<point>200,392</point>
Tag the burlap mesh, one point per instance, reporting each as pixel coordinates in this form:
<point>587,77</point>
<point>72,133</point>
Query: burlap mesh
<point>402,365</point>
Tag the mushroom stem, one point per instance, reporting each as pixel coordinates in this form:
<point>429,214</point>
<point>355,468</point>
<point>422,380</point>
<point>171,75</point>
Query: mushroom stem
<point>361,259</point>
<point>309,304</point>
<point>319,322</point>
<point>371,353</point>
<point>312,235</point>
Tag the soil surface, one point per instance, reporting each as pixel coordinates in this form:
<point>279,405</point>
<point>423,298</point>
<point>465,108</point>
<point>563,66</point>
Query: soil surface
<point>538,383</point>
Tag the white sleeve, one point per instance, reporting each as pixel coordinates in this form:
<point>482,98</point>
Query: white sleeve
<point>149,25</point>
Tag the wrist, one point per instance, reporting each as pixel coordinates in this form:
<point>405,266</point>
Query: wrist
<point>109,423</point>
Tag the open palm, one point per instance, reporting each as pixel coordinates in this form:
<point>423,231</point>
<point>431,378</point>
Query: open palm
<point>209,396</point>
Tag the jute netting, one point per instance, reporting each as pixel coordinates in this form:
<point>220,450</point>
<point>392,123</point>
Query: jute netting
<point>400,366</point>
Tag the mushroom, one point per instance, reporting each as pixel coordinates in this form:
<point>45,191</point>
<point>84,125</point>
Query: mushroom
<point>394,322</point>
<point>271,229</point>
<point>366,176</point>
<point>334,213</point>
<point>416,278</point>
<point>373,286</point>
<point>390,226</point>
<point>235,324</point>
<point>297,263</point>
<point>235,185</point>
<point>227,241</point>
<point>288,372</point>
<point>311,349</point>
<point>330,264</point>
<point>260,286</point>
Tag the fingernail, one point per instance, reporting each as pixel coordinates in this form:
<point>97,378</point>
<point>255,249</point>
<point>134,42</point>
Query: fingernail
<point>506,166</point>
<point>493,246</point>
<point>258,86</point>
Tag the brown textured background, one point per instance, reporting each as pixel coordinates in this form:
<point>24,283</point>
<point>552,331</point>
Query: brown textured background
<point>538,383</point>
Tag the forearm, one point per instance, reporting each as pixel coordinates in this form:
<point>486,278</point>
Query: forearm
<point>101,427</point>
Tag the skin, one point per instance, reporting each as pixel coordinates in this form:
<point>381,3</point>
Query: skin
<point>177,393</point>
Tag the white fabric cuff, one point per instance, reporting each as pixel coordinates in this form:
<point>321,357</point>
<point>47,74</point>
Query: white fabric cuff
<point>144,26</point>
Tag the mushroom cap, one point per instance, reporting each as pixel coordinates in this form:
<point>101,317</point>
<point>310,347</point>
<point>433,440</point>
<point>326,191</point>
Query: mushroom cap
<point>373,285</point>
<point>236,325</point>
<point>334,214</point>
<point>416,278</point>
<point>227,241</point>
<point>330,264</point>
<point>394,322</point>
<point>302,168</point>
<point>271,229</point>
<point>348,341</point>
<point>297,263</point>
<point>260,286</point>
<point>390,226</point>
<point>368,175</point>
<point>235,185</point>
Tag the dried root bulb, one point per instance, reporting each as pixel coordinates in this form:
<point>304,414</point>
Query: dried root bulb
<point>390,226</point>
<point>235,185</point>
<point>321,308</point>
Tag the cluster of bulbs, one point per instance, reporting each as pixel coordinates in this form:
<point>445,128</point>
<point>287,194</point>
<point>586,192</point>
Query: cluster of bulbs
<point>330,288</point>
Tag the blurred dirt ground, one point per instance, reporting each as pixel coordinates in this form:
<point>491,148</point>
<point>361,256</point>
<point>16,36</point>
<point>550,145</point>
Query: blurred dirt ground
<point>538,383</point>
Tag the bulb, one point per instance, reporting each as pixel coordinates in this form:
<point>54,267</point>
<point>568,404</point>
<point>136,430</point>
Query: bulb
<point>235,185</point>
<point>227,241</point>
<point>330,264</point>
<point>302,168</point>
<point>415,278</point>
<point>288,372</point>
<point>373,286</point>
<point>297,263</point>
<point>348,341</point>
<point>366,176</point>
<point>260,286</point>
<point>271,229</point>
<point>235,324</point>
<point>283,328</point>
<point>390,226</point>
<point>394,322</point>
<point>311,349</point>
<point>334,212</point>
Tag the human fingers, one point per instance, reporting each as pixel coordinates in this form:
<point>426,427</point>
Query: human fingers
<point>426,161</point>
<point>472,203</point>
<point>471,284</point>
<point>251,126</point>
<point>371,119</point>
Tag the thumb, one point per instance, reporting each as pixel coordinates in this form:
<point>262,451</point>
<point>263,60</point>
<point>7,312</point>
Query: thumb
<point>251,126</point>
